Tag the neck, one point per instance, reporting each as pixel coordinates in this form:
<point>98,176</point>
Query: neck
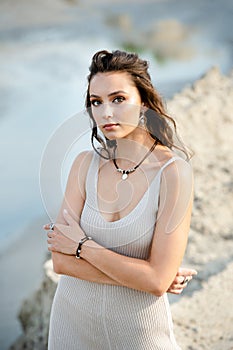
<point>130,151</point>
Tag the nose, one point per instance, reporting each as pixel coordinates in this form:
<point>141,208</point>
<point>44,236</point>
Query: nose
<point>107,111</point>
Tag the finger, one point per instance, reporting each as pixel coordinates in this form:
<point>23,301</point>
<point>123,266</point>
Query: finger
<point>186,272</point>
<point>179,286</point>
<point>184,279</point>
<point>51,234</point>
<point>46,227</point>
<point>51,245</point>
<point>175,291</point>
<point>50,239</point>
<point>51,249</point>
<point>178,280</point>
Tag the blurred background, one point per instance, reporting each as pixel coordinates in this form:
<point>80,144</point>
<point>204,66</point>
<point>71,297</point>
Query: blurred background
<point>45,51</point>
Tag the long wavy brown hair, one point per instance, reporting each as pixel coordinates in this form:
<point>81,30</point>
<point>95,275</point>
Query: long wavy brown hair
<point>159,124</point>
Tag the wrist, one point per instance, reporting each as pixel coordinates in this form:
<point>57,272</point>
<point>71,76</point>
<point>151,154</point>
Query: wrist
<point>80,244</point>
<point>90,251</point>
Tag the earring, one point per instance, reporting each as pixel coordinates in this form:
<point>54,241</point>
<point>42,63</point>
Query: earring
<point>142,119</point>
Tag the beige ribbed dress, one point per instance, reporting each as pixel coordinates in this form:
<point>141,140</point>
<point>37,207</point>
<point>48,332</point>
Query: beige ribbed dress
<point>92,316</point>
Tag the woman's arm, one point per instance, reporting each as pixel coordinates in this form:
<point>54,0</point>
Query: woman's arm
<point>168,246</point>
<point>67,265</point>
<point>73,201</point>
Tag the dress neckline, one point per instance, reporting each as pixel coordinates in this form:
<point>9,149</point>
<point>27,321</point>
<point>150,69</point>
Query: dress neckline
<point>137,207</point>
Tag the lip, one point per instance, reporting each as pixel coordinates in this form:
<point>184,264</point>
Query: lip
<point>110,126</point>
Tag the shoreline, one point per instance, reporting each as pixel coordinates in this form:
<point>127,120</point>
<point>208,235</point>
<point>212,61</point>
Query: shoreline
<point>12,237</point>
<point>21,270</point>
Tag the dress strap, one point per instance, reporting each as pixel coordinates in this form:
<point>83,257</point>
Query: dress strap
<point>171,160</point>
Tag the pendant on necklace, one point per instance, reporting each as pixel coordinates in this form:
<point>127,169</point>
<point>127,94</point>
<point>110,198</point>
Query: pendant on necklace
<point>124,173</point>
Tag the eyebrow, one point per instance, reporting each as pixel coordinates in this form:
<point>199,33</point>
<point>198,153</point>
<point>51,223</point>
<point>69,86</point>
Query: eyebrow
<point>111,94</point>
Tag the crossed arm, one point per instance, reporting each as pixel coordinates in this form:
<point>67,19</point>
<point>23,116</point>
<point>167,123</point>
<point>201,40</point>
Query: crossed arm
<point>156,275</point>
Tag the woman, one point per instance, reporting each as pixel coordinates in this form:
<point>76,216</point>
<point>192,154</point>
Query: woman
<point>123,226</point>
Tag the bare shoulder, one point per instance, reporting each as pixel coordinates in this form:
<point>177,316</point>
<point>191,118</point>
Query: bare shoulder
<point>178,176</point>
<point>171,160</point>
<point>178,167</point>
<point>82,160</point>
<point>81,165</point>
<point>174,168</point>
<point>177,186</point>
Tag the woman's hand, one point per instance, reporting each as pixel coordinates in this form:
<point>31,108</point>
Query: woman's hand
<point>181,280</point>
<point>64,238</point>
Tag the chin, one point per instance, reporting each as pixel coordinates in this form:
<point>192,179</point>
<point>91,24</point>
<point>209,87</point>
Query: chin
<point>111,135</point>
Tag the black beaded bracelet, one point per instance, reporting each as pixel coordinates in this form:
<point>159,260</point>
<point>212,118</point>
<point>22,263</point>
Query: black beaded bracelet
<point>80,243</point>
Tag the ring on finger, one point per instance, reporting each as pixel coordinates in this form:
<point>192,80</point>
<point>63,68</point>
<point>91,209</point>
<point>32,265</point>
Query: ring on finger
<point>51,226</point>
<point>186,280</point>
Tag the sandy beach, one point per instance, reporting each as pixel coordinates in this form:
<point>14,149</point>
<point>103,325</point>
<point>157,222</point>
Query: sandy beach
<point>21,269</point>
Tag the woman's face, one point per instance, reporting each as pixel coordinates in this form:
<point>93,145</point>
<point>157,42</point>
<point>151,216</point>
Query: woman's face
<point>115,104</point>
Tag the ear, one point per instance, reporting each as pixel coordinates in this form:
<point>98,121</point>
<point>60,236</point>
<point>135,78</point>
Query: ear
<point>144,108</point>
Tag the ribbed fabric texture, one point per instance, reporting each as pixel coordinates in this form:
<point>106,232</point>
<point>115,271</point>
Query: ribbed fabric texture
<point>92,316</point>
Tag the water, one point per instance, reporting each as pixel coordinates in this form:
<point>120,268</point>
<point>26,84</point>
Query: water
<point>43,92</point>
<point>43,82</point>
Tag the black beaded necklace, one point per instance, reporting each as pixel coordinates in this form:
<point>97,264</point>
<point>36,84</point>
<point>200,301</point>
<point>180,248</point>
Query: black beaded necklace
<point>125,173</point>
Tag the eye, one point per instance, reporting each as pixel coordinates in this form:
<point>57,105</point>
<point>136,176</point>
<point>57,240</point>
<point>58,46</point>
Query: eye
<point>118,99</point>
<point>95,103</point>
